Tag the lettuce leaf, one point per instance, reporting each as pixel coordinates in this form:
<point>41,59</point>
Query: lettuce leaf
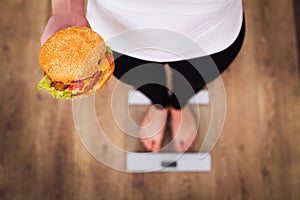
<point>45,84</point>
<point>108,50</point>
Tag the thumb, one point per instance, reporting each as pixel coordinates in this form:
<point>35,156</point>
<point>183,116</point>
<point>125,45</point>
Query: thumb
<point>45,37</point>
<point>52,27</point>
<point>48,32</point>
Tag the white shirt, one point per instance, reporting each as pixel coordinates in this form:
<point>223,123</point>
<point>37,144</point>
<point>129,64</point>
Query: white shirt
<point>166,30</point>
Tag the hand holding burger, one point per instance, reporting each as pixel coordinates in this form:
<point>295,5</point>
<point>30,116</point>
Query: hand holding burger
<point>76,63</point>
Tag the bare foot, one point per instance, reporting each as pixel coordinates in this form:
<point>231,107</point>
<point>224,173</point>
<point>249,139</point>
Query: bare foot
<point>184,128</point>
<point>153,127</point>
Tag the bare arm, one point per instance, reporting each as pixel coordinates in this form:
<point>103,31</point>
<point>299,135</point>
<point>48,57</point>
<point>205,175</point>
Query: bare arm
<point>68,7</point>
<point>65,13</point>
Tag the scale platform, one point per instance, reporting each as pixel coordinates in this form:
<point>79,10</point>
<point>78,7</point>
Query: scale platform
<point>166,161</point>
<point>135,97</point>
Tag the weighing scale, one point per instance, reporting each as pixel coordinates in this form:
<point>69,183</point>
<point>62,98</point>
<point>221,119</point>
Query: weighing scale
<point>93,137</point>
<point>167,161</point>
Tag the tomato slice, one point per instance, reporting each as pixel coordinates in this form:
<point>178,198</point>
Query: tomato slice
<point>110,58</point>
<point>76,85</point>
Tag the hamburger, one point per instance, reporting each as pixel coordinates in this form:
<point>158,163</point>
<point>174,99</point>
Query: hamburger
<point>76,63</point>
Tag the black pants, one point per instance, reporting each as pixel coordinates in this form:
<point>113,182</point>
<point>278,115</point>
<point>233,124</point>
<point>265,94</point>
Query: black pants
<point>189,76</point>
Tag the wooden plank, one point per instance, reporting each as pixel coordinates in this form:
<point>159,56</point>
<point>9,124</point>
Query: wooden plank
<point>297,23</point>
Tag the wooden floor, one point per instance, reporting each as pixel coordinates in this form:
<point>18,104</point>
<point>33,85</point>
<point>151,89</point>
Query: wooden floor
<point>257,156</point>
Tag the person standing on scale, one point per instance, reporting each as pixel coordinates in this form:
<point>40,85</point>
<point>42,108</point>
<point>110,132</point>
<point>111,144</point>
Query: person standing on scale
<point>217,26</point>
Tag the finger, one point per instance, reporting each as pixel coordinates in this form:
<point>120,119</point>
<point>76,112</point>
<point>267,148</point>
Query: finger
<point>48,32</point>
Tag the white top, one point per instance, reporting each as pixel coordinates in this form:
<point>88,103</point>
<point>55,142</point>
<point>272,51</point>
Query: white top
<point>166,30</point>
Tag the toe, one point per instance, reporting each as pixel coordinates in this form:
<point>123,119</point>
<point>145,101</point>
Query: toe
<point>189,142</point>
<point>155,146</point>
<point>146,144</point>
<point>151,145</point>
<point>186,146</point>
<point>178,145</point>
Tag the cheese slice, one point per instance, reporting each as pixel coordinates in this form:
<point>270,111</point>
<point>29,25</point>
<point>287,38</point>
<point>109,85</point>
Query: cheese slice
<point>104,64</point>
